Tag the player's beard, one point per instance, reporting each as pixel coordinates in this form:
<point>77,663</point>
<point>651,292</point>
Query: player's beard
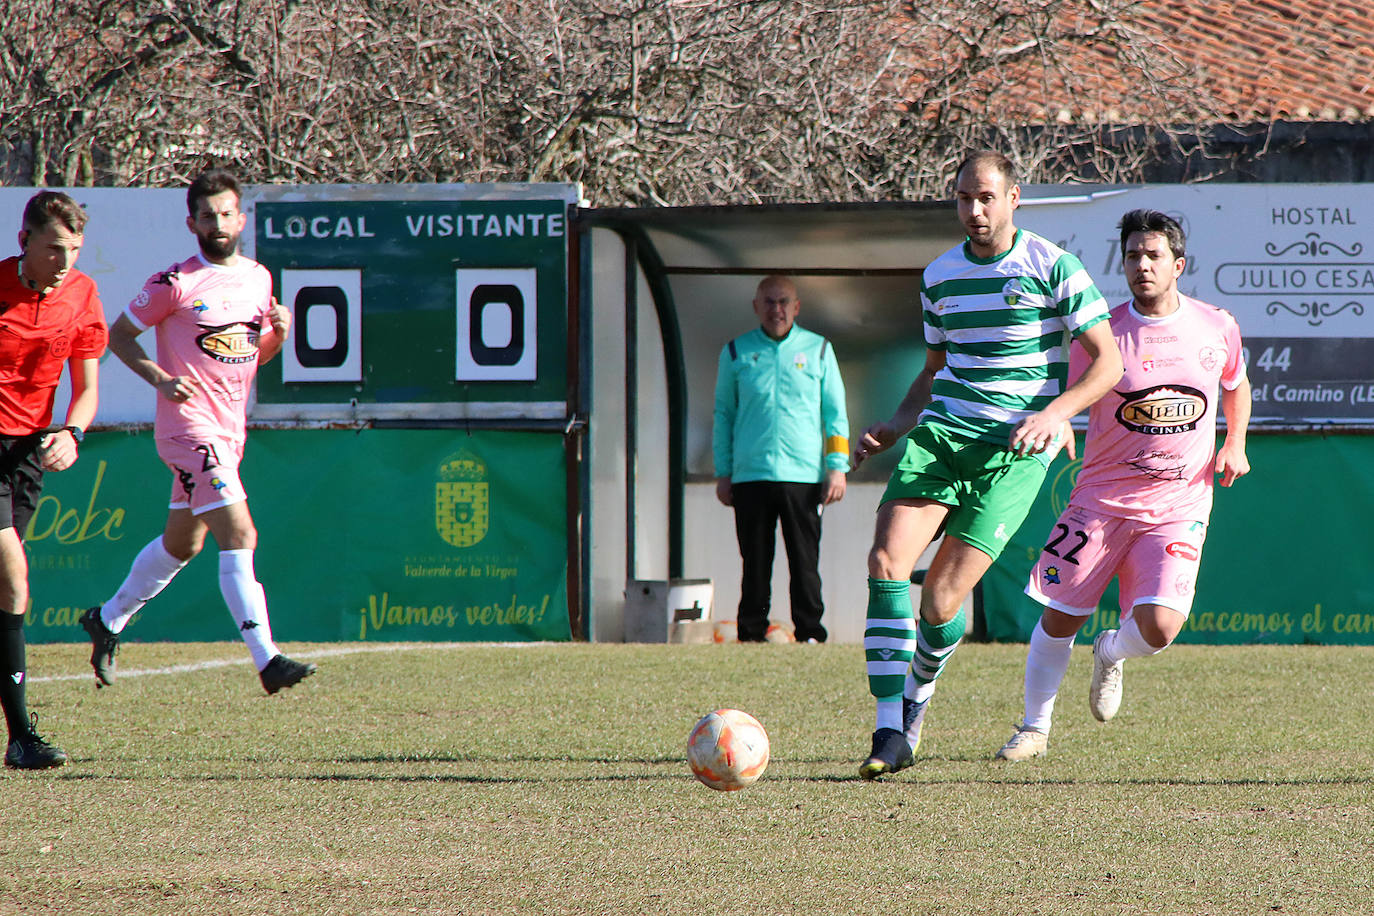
<point>217,249</point>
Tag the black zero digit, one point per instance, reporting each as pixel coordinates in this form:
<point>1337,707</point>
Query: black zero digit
<point>486,294</point>
<point>334,299</point>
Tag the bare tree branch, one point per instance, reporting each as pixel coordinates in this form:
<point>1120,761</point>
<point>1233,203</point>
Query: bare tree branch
<point>662,102</point>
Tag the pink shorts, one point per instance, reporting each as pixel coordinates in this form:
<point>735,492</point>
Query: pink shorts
<point>1156,564</point>
<point>205,472</point>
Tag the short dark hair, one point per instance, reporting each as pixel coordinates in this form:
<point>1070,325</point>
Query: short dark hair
<point>988,158</point>
<point>1153,221</point>
<point>209,183</point>
<point>51,208</point>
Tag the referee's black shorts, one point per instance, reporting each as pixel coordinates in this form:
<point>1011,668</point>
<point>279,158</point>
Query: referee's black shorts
<point>21,480</point>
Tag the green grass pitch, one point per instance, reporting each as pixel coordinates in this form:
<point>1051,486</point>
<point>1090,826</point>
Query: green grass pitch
<point>551,779</point>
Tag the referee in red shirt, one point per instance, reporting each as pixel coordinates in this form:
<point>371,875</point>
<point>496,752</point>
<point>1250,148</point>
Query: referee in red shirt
<point>50,314</point>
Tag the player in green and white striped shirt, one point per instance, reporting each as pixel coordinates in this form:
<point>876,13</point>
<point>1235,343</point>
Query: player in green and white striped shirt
<point>990,409</point>
<point>1000,322</point>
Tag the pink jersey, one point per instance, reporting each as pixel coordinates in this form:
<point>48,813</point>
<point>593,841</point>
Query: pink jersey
<point>210,320</point>
<point>1152,440</point>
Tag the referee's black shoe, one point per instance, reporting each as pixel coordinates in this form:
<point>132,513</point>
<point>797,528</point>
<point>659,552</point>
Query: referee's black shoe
<point>28,751</point>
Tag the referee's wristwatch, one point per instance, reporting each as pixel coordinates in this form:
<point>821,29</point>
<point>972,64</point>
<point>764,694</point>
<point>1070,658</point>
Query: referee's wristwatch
<point>77,433</point>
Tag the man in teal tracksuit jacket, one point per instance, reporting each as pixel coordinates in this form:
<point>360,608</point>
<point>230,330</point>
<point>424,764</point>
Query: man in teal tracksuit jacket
<point>781,447</point>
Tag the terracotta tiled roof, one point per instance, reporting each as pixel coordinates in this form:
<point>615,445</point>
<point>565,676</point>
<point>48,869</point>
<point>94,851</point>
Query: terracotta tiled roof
<point>1294,60</point>
<point>1255,60</point>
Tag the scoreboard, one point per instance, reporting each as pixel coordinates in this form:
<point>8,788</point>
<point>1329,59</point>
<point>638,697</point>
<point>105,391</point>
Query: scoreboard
<point>448,302</point>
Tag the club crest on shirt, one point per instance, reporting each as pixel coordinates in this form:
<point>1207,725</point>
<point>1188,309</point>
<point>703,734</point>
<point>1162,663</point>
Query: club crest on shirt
<point>236,342</point>
<point>1210,357</point>
<point>1012,292</point>
<point>1162,409</point>
<point>60,347</point>
<point>799,361</point>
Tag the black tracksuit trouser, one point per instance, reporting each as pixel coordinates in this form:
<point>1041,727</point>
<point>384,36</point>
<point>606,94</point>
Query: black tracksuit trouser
<point>759,507</point>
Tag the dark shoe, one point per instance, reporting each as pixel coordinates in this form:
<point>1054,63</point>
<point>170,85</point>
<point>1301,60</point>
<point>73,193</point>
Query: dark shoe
<point>890,754</point>
<point>104,645</point>
<point>30,752</point>
<point>281,672</point>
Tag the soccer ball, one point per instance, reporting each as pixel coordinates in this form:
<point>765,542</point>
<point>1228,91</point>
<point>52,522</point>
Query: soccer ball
<point>776,632</point>
<point>727,749</point>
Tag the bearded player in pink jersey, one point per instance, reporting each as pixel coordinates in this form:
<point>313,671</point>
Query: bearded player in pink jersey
<point>216,322</point>
<point>1141,502</point>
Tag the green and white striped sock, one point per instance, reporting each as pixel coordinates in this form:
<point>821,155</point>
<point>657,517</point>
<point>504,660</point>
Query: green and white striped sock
<point>889,639</point>
<point>935,643</point>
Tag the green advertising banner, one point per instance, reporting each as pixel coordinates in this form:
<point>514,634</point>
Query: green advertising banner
<point>1286,558</point>
<point>363,535</point>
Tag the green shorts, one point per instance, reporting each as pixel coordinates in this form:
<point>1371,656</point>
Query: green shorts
<point>988,487</point>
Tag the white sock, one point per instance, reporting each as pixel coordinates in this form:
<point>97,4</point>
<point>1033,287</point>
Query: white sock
<point>1046,664</point>
<point>1127,643</point>
<point>247,602</point>
<point>919,693</point>
<point>153,569</point>
<point>890,713</point>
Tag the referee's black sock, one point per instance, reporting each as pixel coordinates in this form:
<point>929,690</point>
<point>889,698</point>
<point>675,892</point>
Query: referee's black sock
<point>13,673</point>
